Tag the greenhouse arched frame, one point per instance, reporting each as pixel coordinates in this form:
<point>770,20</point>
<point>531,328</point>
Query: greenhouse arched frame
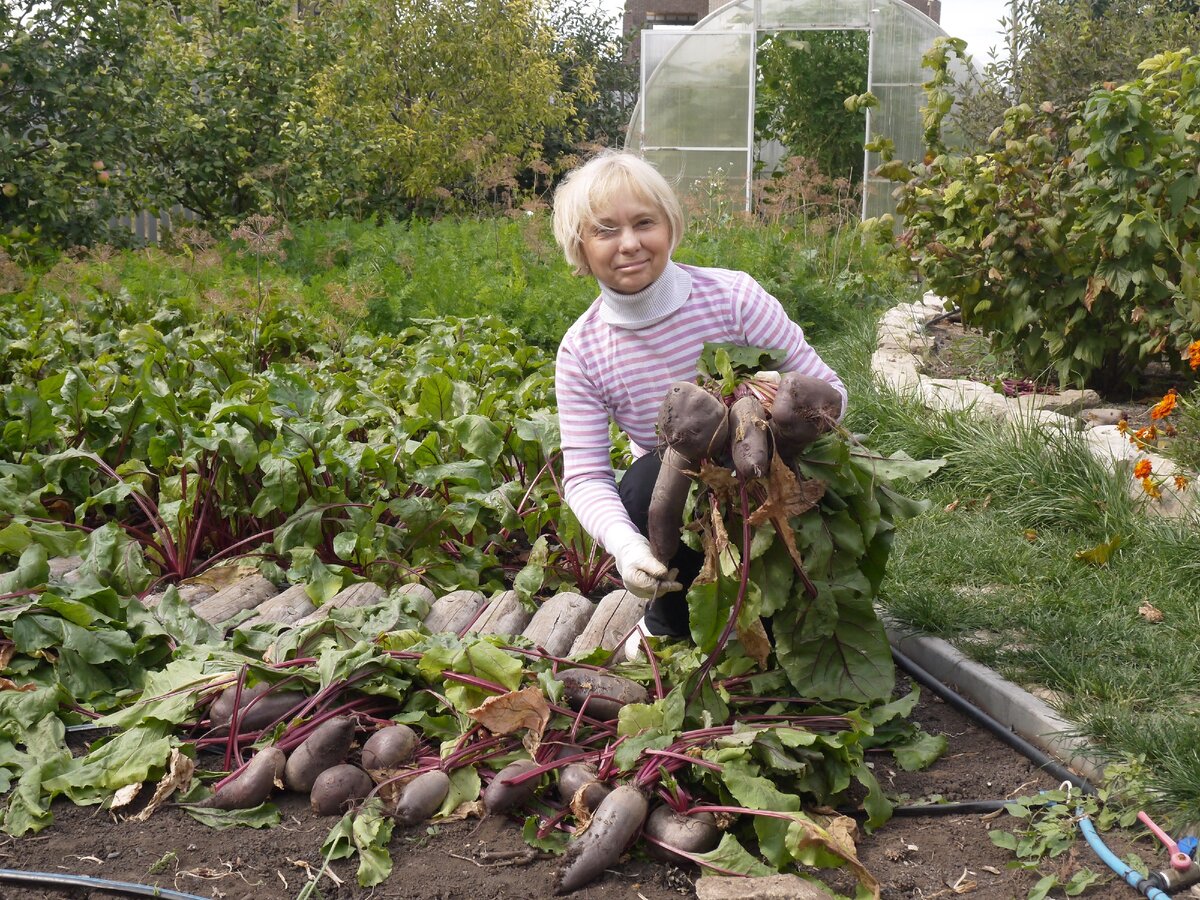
<point>694,118</point>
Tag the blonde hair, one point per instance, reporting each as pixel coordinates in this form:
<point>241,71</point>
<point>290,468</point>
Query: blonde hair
<point>588,191</point>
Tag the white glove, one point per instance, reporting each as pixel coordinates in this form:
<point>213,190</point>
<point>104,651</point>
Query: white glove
<point>644,576</point>
<point>769,375</point>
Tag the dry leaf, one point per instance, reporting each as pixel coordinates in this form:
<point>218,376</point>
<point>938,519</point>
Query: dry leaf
<point>516,710</point>
<point>124,796</point>
<point>7,650</point>
<point>1031,534</point>
<point>787,495</point>
<point>178,777</point>
<point>1150,612</point>
<point>222,576</point>
<point>951,506</point>
<point>7,684</point>
<point>755,642</point>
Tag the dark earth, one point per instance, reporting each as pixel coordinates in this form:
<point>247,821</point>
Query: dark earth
<point>938,856</point>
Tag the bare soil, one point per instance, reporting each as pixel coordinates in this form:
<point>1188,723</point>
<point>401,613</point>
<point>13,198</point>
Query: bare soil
<point>926,857</point>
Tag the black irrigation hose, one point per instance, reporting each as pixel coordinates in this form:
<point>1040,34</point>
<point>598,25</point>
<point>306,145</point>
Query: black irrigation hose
<point>65,882</point>
<point>1034,754</point>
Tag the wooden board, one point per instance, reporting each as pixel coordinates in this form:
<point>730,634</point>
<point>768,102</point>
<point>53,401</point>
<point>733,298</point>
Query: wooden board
<point>613,620</point>
<point>455,612</point>
<point>228,602</point>
<point>558,622</point>
<point>287,607</point>
<point>505,614</point>
<point>362,594</point>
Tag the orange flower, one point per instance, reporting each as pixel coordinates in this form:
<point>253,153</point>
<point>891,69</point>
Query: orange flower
<point>1142,470</point>
<point>1165,406</point>
<point>1151,489</point>
<point>1123,426</point>
<point>1145,435</point>
<point>1193,355</point>
<point>1181,482</point>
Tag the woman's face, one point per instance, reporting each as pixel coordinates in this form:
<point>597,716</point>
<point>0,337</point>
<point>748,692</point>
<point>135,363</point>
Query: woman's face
<point>629,245</point>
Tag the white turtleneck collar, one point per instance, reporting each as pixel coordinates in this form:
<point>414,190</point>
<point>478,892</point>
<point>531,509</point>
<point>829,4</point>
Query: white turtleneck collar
<point>647,307</point>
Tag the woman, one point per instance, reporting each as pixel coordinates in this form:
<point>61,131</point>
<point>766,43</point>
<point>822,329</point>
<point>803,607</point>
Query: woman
<point>617,219</point>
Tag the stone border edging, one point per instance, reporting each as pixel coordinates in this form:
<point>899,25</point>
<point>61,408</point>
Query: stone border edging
<point>1009,704</point>
<point>896,365</point>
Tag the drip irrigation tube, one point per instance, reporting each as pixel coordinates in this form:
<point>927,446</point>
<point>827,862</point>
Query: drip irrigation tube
<point>65,882</point>
<point>1034,754</point>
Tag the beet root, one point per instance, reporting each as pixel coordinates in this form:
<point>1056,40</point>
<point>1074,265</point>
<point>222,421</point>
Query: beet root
<point>422,797</point>
<point>338,788</point>
<point>324,748</point>
<point>603,692</point>
<point>612,828</point>
<point>253,786</point>
<point>572,777</point>
<point>691,834</point>
<point>665,517</point>
<point>805,407</point>
<point>750,442</point>
<point>693,422</point>
<point>500,797</point>
<point>389,747</point>
<point>260,706</point>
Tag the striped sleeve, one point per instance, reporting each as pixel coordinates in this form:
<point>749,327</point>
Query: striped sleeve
<point>589,483</point>
<point>765,323</point>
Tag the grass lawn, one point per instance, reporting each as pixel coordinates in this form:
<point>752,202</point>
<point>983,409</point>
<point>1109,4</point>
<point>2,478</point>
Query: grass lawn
<point>1000,567</point>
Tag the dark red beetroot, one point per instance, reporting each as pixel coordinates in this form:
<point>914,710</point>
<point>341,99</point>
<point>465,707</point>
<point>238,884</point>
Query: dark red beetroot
<point>694,424</point>
<point>389,747</point>
<point>252,786</point>
<point>500,797</point>
<point>338,788</point>
<point>422,797</point>
<point>692,834</point>
<point>611,830</point>
<point>805,407</point>
<point>751,443</point>
<point>326,747</point>
<point>603,693</point>
<point>260,705</point>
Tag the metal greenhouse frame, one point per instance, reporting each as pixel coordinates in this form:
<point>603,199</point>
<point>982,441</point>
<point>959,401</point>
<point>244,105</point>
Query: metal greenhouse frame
<point>695,114</point>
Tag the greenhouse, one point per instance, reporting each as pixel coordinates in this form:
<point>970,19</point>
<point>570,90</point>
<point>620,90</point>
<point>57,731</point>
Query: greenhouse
<point>695,116</point>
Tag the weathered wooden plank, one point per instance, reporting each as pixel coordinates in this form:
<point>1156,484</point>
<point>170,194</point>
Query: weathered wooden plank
<point>559,621</point>
<point>228,602</point>
<point>505,614</point>
<point>455,612</point>
<point>191,594</point>
<point>613,619</point>
<point>285,608</point>
<point>362,594</point>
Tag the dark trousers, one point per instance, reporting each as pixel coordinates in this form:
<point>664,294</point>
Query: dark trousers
<point>668,614</point>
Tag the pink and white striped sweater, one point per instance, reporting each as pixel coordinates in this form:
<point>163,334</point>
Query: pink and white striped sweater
<point>607,372</point>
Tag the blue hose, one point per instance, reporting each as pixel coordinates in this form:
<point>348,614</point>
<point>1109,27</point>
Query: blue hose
<point>125,888</point>
<point>1131,877</point>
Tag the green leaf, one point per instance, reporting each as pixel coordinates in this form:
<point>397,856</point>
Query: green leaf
<point>731,858</point>
<point>265,815</point>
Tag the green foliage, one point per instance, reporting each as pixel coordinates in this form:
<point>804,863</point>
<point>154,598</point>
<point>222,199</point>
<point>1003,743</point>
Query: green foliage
<point>442,99</point>
<point>804,80</point>
<point>66,92</point>
<point>1061,50</point>
<point>226,106</point>
<point>1073,238</point>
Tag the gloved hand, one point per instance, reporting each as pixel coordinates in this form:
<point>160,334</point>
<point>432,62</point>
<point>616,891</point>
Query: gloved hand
<point>644,576</point>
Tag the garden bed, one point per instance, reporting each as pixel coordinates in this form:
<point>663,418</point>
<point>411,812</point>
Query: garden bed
<point>911,856</point>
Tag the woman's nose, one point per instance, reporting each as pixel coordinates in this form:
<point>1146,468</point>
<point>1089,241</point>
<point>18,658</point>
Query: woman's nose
<point>629,241</point>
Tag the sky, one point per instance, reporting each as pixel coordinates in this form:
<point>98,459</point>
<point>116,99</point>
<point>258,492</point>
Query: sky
<point>977,21</point>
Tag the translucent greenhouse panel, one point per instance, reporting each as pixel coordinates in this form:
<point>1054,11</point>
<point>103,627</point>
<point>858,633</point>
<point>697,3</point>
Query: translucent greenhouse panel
<point>902,36</point>
<point>898,117</point>
<point>708,182</point>
<point>700,95</point>
<point>822,14</point>
<point>731,17</point>
<point>657,46</point>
